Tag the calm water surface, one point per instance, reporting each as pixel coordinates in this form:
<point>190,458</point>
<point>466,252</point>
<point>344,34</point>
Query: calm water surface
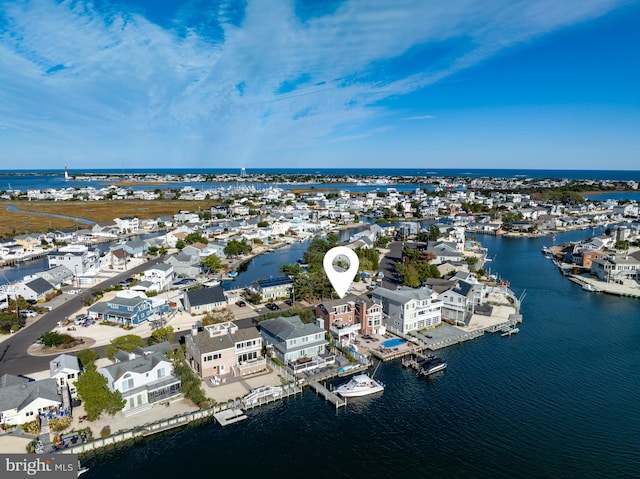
<point>557,400</point>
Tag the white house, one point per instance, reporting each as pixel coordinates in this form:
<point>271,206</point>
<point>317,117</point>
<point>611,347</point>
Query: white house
<point>408,309</point>
<point>65,369</point>
<point>145,378</point>
<point>23,400</point>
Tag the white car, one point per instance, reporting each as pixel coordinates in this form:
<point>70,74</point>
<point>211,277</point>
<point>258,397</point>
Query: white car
<point>28,313</point>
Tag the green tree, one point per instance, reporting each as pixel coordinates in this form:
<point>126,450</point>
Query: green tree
<point>87,357</point>
<point>53,338</point>
<point>161,335</point>
<point>128,343</point>
<point>212,263</point>
<point>95,395</point>
<point>195,237</point>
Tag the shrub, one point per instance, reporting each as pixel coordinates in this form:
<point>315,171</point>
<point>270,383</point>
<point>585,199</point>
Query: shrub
<point>105,432</point>
<point>31,427</point>
<point>59,425</point>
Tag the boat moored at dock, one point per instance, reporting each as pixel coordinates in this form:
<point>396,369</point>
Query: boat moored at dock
<point>430,365</point>
<point>359,385</point>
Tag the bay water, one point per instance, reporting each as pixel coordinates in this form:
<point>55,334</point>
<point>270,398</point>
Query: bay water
<point>558,400</point>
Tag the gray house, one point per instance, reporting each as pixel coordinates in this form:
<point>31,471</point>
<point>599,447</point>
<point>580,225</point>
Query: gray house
<point>292,340</point>
<point>204,300</point>
<point>184,265</point>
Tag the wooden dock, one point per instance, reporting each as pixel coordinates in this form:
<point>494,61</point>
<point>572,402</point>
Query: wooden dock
<point>336,400</point>
<point>229,416</point>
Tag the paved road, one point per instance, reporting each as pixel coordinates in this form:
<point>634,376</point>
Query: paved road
<point>388,265</point>
<point>14,358</point>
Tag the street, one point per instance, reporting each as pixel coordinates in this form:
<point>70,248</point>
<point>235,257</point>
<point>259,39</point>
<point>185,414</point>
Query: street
<point>14,358</point>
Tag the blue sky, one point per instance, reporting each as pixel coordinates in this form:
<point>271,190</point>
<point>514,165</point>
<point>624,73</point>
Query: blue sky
<point>352,83</point>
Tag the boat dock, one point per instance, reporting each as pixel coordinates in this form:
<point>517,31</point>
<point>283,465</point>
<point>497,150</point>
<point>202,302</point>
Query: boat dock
<point>230,416</point>
<point>336,400</point>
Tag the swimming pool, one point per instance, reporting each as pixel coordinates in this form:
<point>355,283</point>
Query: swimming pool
<point>392,343</point>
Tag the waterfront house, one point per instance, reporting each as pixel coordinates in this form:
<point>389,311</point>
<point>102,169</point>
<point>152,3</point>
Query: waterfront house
<point>460,299</point>
<point>128,224</point>
<point>204,300</point>
<point>184,265</point>
<point>408,309</point>
<point>65,369</point>
<point>77,258</point>
<point>135,248</point>
<point>616,268</point>
<point>300,345</point>
<point>273,288</point>
<point>144,379</point>
<point>222,349</point>
<point>30,242</point>
<point>369,316</point>
<point>56,276</point>
<point>338,318</point>
<point>444,252</point>
<point>34,290</point>
<point>22,400</point>
<point>106,228</point>
<point>129,308</point>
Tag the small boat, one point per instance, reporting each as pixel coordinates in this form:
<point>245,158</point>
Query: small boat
<point>359,385</point>
<point>589,287</point>
<point>348,369</point>
<point>510,331</point>
<point>430,365</point>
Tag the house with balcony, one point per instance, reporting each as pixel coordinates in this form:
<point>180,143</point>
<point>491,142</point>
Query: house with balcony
<point>143,378</point>
<point>616,268</point>
<point>77,258</point>
<point>129,308</point>
<point>65,369</point>
<point>408,309</point>
<point>300,345</point>
<point>369,316</point>
<point>23,400</point>
<point>128,224</point>
<point>223,349</point>
<point>460,300</point>
<point>160,276</point>
<point>338,318</point>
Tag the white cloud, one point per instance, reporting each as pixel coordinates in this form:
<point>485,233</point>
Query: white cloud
<point>116,78</point>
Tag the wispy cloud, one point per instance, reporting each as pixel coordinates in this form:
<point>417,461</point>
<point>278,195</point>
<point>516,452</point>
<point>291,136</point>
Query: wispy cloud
<point>239,82</point>
<point>419,117</point>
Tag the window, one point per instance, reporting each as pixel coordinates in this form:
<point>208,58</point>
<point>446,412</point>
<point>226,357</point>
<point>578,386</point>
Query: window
<point>161,373</point>
<point>127,383</point>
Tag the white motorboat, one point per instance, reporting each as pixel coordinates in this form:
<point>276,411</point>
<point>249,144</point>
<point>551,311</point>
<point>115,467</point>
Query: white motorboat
<point>589,287</point>
<point>360,385</point>
<point>510,331</point>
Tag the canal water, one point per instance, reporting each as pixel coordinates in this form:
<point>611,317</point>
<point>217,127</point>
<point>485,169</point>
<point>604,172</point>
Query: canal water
<point>557,400</point>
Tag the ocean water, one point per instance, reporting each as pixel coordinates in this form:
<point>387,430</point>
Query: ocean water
<point>557,400</point>
<point>42,179</point>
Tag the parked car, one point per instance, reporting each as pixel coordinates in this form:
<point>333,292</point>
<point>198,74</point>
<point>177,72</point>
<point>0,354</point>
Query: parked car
<point>241,303</point>
<point>28,313</point>
<point>289,302</point>
<point>272,306</point>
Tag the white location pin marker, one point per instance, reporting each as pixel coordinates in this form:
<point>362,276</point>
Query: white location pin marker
<point>341,280</point>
